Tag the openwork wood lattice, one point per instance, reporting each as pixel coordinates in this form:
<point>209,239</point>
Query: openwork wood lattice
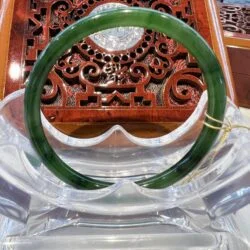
<point>156,79</point>
<point>235,18</point>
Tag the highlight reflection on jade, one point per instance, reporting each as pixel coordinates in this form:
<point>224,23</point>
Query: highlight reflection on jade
<point>137,17</point>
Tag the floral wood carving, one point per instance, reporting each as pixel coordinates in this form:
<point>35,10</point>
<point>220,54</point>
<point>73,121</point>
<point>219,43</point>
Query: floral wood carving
<point>156,79</point>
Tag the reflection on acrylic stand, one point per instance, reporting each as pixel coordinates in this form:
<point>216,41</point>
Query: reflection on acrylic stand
<point>208,209</point>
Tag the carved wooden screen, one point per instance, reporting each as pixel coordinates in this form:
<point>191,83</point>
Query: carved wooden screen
<point>235,18</point>
<point>155,79</point>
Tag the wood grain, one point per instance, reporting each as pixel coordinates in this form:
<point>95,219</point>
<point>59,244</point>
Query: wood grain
<point>237,40</point>
<point>240,60</point>
<point>6,12</point>
<point>219,46</point>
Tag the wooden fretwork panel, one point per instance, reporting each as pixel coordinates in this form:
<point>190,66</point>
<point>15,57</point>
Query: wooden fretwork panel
<point>235,18</point>
<point>154,80</point>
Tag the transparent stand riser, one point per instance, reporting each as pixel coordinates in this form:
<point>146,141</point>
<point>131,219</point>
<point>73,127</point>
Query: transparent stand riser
<point>207,210</point>
<point>166,230</point>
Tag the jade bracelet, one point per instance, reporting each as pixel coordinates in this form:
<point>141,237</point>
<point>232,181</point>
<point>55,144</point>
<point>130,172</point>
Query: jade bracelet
<point>138,17</point>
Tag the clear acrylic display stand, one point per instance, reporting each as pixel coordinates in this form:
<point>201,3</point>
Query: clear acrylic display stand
<point>209,209</point>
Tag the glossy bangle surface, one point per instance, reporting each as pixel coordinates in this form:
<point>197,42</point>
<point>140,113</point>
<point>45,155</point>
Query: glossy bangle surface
<point>138,17</point>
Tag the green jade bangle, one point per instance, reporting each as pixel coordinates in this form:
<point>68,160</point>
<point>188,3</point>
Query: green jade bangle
<point>138,17</point>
